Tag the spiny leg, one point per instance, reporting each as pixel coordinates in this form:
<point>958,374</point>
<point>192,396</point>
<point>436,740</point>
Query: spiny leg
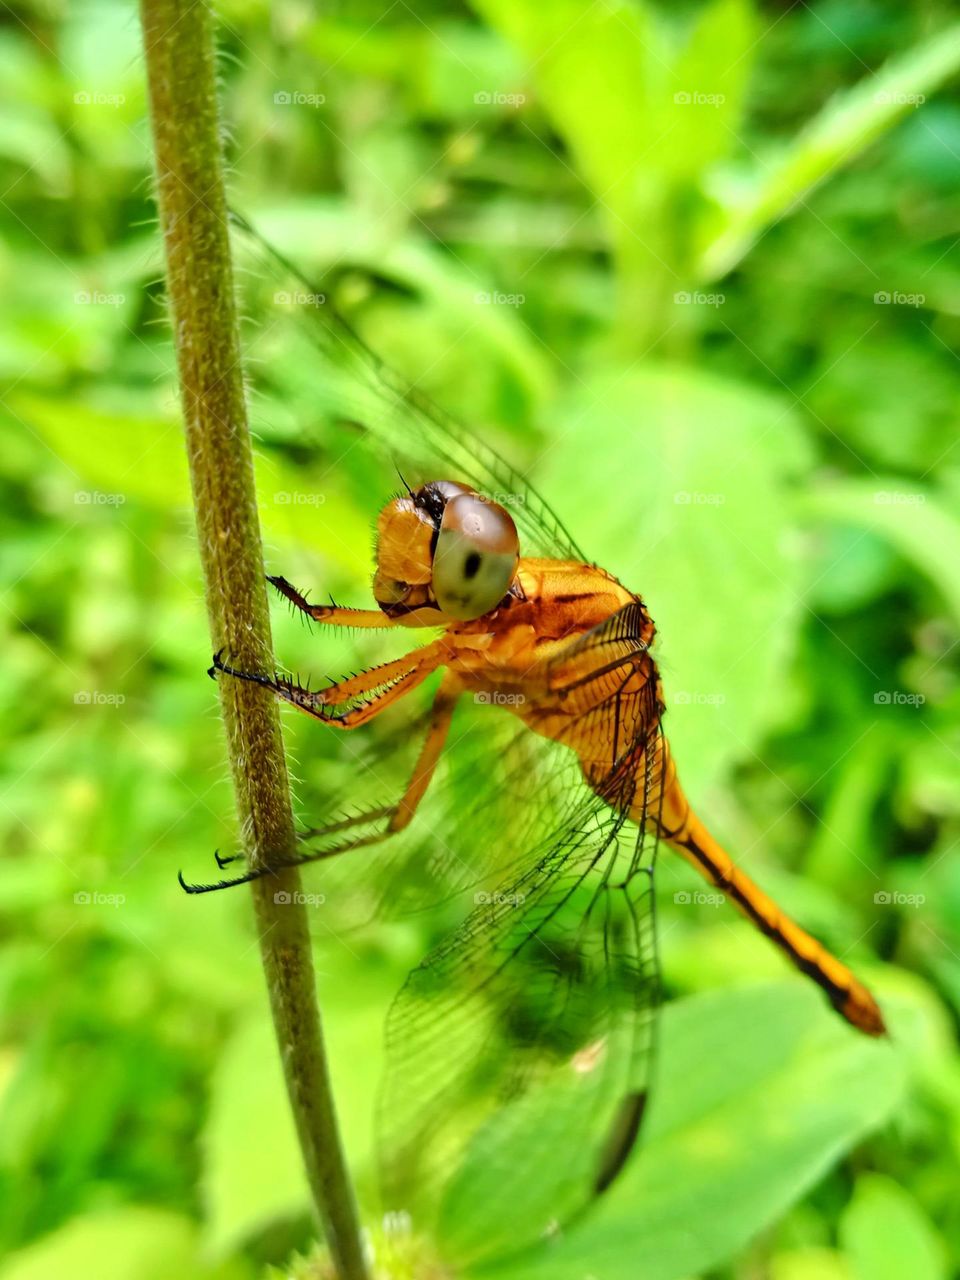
<point>379,686</point>
<point>398,816</point>
<point>333,614</point>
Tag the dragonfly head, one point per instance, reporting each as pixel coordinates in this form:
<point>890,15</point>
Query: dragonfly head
<point>444,553</point>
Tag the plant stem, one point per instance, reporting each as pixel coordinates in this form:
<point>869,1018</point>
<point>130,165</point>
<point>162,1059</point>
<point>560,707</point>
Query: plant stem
<point>181,73</point>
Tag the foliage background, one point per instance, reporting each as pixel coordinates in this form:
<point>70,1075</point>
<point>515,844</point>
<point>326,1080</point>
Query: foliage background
<point>688,347</point>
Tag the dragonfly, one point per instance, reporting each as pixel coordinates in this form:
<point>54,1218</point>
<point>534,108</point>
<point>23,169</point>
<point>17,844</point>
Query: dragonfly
<point>520,1050</point>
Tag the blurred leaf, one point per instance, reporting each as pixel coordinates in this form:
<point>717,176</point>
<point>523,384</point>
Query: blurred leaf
<point>908,515</point>
<point>680,484</point>
<point>117,454</point>
<point>838,134</point>
<point>125,1244</point>
<point>710,78</point>
<point>887,1236</point>
<point>760,1091</point>
<point>253,1171</point>
<point>639,108</point>
<point>809,1264</point>
<point>318,235</point>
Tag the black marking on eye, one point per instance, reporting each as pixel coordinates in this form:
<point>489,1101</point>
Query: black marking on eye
<point>471,565</point>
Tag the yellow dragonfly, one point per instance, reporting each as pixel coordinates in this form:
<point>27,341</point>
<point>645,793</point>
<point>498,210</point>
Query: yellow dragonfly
<point>519,1051</point>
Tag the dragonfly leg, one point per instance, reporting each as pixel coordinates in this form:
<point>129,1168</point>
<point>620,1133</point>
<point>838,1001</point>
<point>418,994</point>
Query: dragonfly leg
<point>377,688</point>
<point>440,716</point>
<point>333,614</point>
<point>396,816</point>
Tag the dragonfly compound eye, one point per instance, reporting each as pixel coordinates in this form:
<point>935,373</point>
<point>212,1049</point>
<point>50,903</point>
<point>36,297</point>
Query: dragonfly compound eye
<point>475,558</point>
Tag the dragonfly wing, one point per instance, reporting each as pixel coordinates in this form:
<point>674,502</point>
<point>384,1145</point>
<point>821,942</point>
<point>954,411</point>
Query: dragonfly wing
<point>519,1051</point>
<point>493,775</point>
<point>350,384</point>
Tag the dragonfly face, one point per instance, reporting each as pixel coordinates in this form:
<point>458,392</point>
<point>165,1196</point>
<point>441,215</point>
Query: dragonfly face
<point>444,553</point>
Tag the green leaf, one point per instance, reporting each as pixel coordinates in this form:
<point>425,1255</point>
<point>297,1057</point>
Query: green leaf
<point>126,1244</point>
<point>643,109</point>
<point>711,70</point>
<point>683,484</point>
<point>836,136</point>
<point>253,1172</point>
<point>910,516</point>
<point>759,1092</point>
<point>887,1235</point>
<point>114,453</point>
<point>809,1264</point>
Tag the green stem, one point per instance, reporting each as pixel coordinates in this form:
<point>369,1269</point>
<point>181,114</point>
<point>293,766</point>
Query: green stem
<point>181,73</point>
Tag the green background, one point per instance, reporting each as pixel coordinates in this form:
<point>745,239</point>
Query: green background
<point>694,267</point>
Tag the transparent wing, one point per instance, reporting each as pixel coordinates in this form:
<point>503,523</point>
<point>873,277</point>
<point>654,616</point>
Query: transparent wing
<point>498,792</point>
<point>342,392</point>
<point>519,1051</point>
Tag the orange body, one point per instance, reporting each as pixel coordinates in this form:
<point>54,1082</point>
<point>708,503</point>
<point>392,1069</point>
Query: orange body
<point>566,648</point>
<point>520,650</point>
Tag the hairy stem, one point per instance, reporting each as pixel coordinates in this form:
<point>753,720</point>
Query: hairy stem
<point>181,72</point>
